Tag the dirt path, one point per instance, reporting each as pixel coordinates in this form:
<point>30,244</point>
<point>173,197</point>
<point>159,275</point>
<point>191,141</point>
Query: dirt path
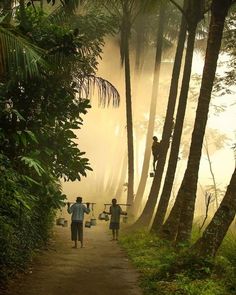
<point>101,268</point>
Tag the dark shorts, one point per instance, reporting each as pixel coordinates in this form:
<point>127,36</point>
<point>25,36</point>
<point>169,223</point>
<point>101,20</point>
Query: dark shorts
<point>114,225</point>
<point>77,231</point>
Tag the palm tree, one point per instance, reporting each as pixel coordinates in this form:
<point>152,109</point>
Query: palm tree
<point>125,34</point>
<point>126,11</point>
<point>192,20</point>
<point>187,191</point>
<point>194,14</point>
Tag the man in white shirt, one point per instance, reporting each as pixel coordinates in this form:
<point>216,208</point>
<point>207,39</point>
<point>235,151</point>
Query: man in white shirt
<point>77,210</point>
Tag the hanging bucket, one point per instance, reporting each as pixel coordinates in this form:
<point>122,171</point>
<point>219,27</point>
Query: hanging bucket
<point>106,218</point>
<point>93,221</point>
<point>102,216</point>
<point>65,224</point>
<point>125,219</point>
<point>152,174</point>
<point>60,221</point>
<point>87,224</point>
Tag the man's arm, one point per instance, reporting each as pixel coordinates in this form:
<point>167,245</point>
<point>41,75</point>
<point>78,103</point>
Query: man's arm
<point>69,209</point>
<point>86,209</point>
<point>107,212</point>
<point>122,212</point>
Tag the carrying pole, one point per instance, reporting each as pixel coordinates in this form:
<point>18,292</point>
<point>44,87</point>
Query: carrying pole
<point>118,204</point>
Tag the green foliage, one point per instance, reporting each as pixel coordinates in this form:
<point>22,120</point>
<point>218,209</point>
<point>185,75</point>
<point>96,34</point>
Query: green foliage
<point>18,56</point>
<point>38,119</point>
<point>226,261</point>
<point>26,214</point>
<point>165,272</point>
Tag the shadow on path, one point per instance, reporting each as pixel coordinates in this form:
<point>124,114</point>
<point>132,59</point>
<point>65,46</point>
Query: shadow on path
<point>101,268</point>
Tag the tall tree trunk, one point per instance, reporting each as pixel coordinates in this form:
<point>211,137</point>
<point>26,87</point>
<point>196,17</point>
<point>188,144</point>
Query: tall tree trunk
<point>170,227</point>
<point>188,187</point>
<point>122,176</point>
<point>129,119</point>
<point>215,232</point>
<point>173,159</point>
<point>152,111</point>
<point>150,206</point>
<point>162,206</point>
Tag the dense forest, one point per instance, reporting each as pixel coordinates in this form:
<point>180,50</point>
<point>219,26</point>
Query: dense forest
<point>50,54</point>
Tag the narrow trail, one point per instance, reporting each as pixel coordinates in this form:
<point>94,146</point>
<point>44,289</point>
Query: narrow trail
<point>101,268</point>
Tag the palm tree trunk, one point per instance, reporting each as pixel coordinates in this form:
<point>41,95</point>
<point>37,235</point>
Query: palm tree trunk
<point>122,176</point>
<point>169,230</point>
<point>150,206</point>
<point>145,217</point>
<point>170,227</point>
<point>215,232</point>
<point>173,159</point>
<point>129,118</point>
<point>162,206</point>
<point>152,111</point>
<point>188,187</point>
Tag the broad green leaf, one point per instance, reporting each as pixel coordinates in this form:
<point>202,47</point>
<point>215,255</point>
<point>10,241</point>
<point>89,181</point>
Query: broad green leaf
<point>34,164</point>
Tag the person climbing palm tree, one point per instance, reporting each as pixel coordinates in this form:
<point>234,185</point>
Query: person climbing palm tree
<point>155,151</point>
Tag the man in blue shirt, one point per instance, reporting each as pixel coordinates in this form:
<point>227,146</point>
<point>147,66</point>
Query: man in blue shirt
<point>77,210</point>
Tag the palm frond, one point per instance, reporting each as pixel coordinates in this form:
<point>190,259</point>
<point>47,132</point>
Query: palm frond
<point>106,92</point>
<point>69,6</point>
<point>18,56</point>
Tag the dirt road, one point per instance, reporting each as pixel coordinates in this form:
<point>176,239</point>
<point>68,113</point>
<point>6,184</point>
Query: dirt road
<point>101,268</point>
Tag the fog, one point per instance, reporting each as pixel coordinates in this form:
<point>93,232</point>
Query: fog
<point>103,134</point>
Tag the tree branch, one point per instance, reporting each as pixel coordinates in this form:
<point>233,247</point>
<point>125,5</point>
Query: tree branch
<point>181,9</point>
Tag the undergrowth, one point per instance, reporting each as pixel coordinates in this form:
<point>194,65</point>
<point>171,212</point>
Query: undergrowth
<point>165,272</point>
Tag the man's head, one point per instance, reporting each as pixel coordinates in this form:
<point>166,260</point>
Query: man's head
<point>114,201</point>
<point>155,138</point>
<point>79,200</point>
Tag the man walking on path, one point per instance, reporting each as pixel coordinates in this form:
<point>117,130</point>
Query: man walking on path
<point>77,210</point>
<point>115,212</point>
